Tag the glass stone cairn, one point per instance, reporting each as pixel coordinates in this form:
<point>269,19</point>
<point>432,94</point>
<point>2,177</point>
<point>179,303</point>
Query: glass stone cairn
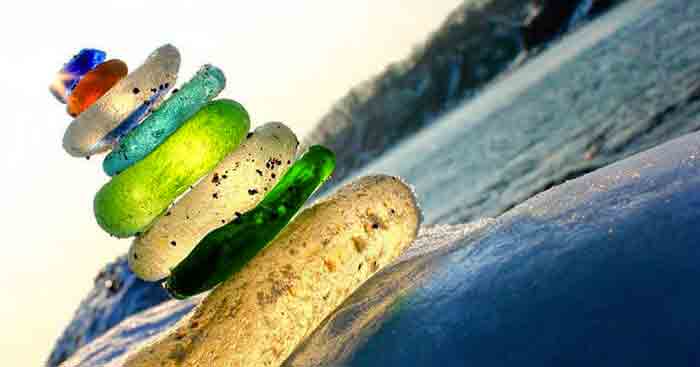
<point>173,112</point>
<point>227,249</point>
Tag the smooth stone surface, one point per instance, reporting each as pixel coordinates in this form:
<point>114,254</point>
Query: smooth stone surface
<point>258,316</point>
<point>159,71</point>
<point>73,70</point>
<point>128,203</point>
<point>226,250</point>
<point>207,83</point>
<point>95,84</point>
<point>215,200</point>
<point>599,271</point>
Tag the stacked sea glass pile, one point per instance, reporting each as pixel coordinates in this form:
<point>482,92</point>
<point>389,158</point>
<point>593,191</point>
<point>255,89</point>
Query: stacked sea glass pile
<point>205,199</point>
<point>161,149</point>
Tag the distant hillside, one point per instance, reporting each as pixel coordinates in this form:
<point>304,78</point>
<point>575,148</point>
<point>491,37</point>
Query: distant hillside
<point>478,41</point>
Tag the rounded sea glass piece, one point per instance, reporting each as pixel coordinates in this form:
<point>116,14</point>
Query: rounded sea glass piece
<point>173,112</point>
<point>157,75</point>
<point>128,203</point>
<point>236,185</point>
<point>227,249</point>
<point>94,85</point>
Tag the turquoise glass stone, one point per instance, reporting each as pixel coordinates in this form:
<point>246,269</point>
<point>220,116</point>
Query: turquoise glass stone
<point>207,83</point>
<point>227,249</point>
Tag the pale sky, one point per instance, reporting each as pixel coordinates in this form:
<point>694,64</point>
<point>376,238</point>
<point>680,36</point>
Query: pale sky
<point>284,61</point>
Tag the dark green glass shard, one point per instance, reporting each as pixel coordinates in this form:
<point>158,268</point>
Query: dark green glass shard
<point>227,249</point>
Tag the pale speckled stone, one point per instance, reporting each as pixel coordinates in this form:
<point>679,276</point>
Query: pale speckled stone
<point>258,316</point>
<point>83,136</point>
<point>216,198</point>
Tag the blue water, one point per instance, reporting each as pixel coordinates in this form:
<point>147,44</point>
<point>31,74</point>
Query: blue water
<point>620,85</point>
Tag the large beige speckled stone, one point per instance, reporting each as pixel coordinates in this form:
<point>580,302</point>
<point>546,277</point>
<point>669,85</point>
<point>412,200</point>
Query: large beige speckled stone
<point>256,164</point>
<point>84,134</point>
<point>258,316</point>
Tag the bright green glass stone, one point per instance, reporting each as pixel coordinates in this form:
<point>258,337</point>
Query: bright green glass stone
<point>133,199</point>
<point>227,249</point>
<point>207,83</point>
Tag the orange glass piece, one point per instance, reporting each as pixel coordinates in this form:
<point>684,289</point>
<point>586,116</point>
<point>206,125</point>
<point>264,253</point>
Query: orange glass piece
<point>95,84</point>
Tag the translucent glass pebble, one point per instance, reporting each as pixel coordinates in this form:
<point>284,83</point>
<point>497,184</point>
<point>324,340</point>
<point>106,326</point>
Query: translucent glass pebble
<point>131,122</point>
<point>94,85</point>
<point>236,185</point>
<point>73,70</point>
<point>173,112</point>
<point>227,249</point>
<point>129,202</point>
<point>157,74</point>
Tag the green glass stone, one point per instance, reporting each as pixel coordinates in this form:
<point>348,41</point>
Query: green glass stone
<point>207,83</point>
<point>227,249</point>
<point>134,198</point>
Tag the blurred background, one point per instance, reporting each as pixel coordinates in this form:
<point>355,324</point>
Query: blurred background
<point>284,61</point>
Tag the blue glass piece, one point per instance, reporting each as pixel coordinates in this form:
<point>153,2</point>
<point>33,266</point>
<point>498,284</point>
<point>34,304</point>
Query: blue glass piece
<point>131,121</point>
<point>68,77</point>
<point>85,61</point>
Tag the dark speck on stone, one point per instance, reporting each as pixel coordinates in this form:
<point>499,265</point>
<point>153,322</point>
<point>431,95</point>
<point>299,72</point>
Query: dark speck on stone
<point>136,91</point>
<point>249,135</point>
<point>173,243</point>
<point>175,90</point>
<point>259,172</point>
<point>252,191</point>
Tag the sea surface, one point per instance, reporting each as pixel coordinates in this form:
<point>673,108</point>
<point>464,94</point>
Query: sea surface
<point>626,82</point>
